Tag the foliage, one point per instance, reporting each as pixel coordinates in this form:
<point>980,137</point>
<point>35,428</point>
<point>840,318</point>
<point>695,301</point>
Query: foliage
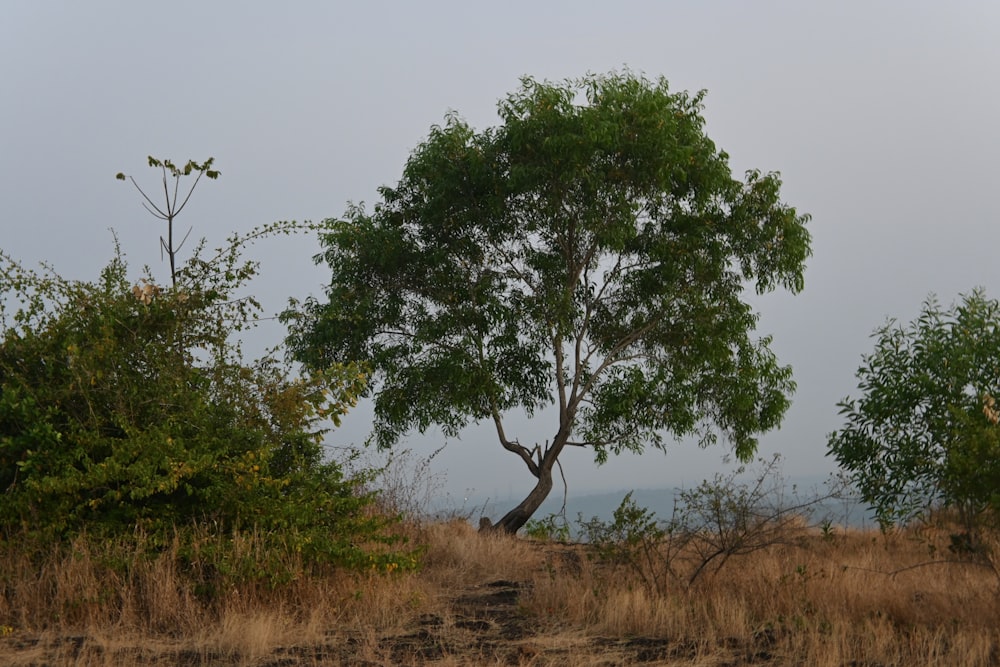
<point>925,430</point>
<point>128,409</point>
<point>590,252</point>
<point>552,527</point>
<point>640,543</point>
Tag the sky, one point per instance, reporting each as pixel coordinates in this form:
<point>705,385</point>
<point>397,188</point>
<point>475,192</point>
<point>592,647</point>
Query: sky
<point>882,118</point>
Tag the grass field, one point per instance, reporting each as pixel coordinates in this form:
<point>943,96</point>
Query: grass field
<point>834,598</point>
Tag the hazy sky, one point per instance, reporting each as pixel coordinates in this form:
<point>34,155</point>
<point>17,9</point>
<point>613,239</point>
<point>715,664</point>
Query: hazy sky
<point>884,122</point>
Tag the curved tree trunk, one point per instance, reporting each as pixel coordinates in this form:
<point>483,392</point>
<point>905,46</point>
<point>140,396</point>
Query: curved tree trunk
<point>517,517</point>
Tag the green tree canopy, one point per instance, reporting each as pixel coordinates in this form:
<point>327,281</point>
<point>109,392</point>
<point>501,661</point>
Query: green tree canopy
<point>591,252</point>
<point>924,430</point>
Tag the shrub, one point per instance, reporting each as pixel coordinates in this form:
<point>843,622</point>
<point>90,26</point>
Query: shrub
<point>711,523</point>
<point>129,409</point>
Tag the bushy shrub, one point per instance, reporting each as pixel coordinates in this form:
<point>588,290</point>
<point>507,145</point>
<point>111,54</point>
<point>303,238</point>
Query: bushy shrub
<point>923,431</point>
<point>129,408</point>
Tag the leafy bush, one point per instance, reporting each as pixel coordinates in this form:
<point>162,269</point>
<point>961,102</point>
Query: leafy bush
<point>129,409</point>
<point>924,430</point>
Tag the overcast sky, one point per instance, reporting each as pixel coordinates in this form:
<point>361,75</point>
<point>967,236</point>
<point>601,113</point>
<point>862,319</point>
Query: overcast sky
<point>884,122</point>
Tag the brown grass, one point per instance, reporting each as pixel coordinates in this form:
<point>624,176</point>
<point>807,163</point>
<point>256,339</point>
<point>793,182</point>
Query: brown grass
<point>853,598</point>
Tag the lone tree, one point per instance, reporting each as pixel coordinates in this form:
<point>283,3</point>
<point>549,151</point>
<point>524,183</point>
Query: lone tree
<point>924,431</point>
<point>590,252</point>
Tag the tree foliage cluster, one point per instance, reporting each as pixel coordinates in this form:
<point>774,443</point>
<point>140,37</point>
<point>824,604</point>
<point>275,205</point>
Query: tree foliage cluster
<point>591,253</point>
<point>924,430</point>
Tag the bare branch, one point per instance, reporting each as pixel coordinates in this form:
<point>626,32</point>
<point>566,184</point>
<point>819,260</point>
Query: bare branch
<point>560,378</point>
<point>155,214</point>
<point>581,364</point>
<point>614,356</point>
<point>562,510</point>
<point>190,192</point>
<point>181,244</point>
<point>177,186</point>
<point>158,213</point>
<point>166,194</point>
<point>588,443</point>
<point>515,447</point>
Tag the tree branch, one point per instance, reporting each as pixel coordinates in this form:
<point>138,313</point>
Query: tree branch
<point>510,446</point>
<point>613,357</point>
<point>155,214</point>
<point>166,194</point>
<point>158,213</point>
<point>177,187</point>
<point>190,192</point>
<point>585,327</point>
<point>560,377</point>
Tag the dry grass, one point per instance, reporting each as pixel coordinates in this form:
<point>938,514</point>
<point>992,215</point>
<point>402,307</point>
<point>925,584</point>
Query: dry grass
<point>858,598</point>
<point>854,598</point>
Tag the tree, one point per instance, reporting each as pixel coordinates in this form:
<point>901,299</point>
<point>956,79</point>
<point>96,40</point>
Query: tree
<point>924,430</point>
<point>589,252</point>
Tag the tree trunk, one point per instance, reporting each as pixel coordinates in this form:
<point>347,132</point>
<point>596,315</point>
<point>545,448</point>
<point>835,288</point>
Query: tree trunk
<point>517,517</point>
